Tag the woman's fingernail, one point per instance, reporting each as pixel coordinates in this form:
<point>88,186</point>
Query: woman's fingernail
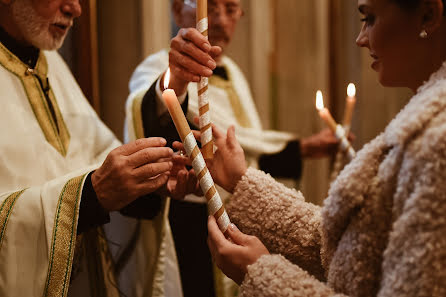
<point>233,227</point>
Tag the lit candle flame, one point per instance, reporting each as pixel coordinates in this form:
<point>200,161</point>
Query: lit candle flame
<point>167,79</point>
<point>319,100</point>
<point>351,90</point>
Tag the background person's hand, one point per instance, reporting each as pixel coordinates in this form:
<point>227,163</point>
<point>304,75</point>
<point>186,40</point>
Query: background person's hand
<point>233,258</point>
<point>182,181</point>
<point>191,56</point>
<point>132,171</point>
<point>321,144</point>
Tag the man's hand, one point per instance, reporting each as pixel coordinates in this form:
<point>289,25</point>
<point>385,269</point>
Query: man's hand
<point>229,164</point>
<point>181,181</point>
<point>319,145</point>
<point>131,171</point>
<point>233,258</point>
<point>191,56</point>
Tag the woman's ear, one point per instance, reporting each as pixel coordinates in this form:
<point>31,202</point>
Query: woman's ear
<point>432,14</point>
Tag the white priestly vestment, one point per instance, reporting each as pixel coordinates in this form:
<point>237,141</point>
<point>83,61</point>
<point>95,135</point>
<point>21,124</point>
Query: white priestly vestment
<point>43,168</point>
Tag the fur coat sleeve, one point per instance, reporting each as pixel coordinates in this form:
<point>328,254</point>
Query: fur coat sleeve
<point>415,254</point>
<point>281,219</point>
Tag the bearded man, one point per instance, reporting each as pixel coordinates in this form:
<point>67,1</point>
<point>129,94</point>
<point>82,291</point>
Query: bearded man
<point>62,170</point>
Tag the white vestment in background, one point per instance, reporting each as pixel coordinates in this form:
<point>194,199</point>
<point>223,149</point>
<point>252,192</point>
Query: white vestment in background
<point>231,103</point>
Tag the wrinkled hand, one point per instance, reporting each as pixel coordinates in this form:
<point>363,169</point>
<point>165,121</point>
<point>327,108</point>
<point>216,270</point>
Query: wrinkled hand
<point>191,56</point>
<point>229,164</point>
<point>181,181</point>
<point>319,145</point>
<point>233,258</point>
<point>132,171</point>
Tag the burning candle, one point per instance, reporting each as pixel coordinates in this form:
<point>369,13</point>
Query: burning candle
<point>214,202</point>
<point>350,102</point>
<point>205,125</point>
<point>324,112</point>
<point>337,129</point>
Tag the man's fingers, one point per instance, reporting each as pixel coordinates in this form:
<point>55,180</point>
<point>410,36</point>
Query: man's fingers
<point>139,144</point>
<point>190,64</point>
<point>182,73</point>
<point>215,52</point>
<point>177,145</point>
<point>192,34</point>
<point>197,54</point>
<point>152,170</point>
<point>149,155</point>
<point>153,184</point>
<point>181,160</point>
<point>197,134</point>
<point>179,187</point>
<point>192,183</point>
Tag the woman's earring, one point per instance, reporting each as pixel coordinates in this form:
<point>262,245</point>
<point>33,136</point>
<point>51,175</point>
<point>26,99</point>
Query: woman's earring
<point>423,34</point>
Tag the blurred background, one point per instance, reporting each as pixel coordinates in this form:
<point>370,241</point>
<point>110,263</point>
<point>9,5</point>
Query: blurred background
<point>288,49</point>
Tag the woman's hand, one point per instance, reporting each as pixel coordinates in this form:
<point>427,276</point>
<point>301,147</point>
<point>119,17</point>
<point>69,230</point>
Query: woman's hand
<point>233,258</point>
<point>229,164</point>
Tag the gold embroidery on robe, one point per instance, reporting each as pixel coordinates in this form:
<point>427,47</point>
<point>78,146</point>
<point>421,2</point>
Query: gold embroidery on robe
<point>54,130</point>
<point>5,211</point>
<point>137,117</point>
<point>64,239</point>
<point>237,108</point>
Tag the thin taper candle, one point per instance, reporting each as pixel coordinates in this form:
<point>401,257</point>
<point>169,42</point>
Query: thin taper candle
<point>350,102</point>
<point>331,123</point>
<point>214,202</point>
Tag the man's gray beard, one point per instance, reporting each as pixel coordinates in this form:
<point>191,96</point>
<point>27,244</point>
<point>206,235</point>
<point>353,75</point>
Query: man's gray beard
<point>34,28</point>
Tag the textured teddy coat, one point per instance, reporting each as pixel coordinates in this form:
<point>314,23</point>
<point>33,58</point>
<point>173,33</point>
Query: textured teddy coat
<point>382,229</point>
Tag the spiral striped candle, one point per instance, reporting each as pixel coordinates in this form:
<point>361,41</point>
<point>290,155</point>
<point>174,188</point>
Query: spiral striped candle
<point>205,125</point>
<point>214,202</point>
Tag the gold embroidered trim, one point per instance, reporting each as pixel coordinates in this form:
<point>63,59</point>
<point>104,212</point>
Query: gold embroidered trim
<point>64,239</point>
<point>5,212</point>
<point>137,117</point>
<point>58,136</point>
<point>237,108</point>
<point>100,264</point>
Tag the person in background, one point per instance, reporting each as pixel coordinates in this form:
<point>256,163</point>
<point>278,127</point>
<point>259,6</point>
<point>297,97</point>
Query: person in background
<point>189,57</point>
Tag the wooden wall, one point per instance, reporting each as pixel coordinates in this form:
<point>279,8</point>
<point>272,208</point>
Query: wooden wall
<point>288,49</point>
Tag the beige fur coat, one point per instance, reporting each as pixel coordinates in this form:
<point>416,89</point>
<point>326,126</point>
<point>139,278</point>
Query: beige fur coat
<point>382,229</point>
